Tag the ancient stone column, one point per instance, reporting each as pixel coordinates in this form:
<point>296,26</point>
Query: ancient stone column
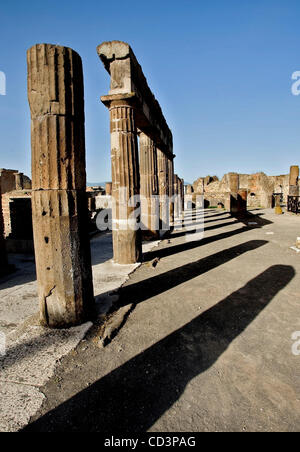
<point>182,195</point>
<point>176,197</point>
<point>149,188</point>
<point>163,184</point>
<point>242,201</point>
<point>189,190</point>
<point>234,182</point>
<point>3,255</point>
<point>171,190</point>
<point>59,202</point>
<point>127,243</point>
<point>19,181</point>
<point>278,209</point>
<point>234,185</point>
<point>108,188</point>
<point>294,178</point>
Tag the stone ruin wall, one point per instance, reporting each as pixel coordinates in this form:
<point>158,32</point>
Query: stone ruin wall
<point>260,188</point>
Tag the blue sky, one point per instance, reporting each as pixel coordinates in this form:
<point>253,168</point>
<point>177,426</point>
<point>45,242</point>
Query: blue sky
<point>221,70</point>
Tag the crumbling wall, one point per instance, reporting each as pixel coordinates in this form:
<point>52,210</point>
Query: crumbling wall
<point>259,186</point>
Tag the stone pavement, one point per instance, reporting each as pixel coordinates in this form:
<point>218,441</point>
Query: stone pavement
<point>207,344</point>
<point>33,352</point>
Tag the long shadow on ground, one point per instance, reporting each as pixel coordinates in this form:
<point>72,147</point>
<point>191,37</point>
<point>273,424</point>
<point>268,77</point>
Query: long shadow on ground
<point>134,396</point>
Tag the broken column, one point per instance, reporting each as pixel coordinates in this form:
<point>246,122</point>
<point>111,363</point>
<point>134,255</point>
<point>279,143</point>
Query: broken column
<point>293,183</point>
<point>108,188</point>
<point>3,255</point>
<point>278,209</point>
<point>59,202</point>
<point>149,188</point>
<point>233,182</point>
<point>19,181</point>
<point>163,184</point>
<point>242,197</point>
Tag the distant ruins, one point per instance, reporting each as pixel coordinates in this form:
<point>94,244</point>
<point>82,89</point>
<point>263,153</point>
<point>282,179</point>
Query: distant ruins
<point>259,189</point>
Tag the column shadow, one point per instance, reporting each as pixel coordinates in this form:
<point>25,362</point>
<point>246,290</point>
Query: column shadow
<point>134,396</point>
<point>143,290</point>
<point>189,245</point>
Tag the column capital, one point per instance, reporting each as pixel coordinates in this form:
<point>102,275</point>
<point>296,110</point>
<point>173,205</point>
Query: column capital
<point>118,100</point>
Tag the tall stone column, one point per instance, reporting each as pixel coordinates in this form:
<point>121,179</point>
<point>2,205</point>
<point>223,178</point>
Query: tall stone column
<point>242,201</point>
<point>176,197</point>
<point>108,188</point>
<point>171,189</point>
<point>163,184</point>
<point>127,242</point>
<point>3,255</point>
<point>149,188</point>
<point>59,202</point>
<point>234,185</point>
<point>294,178</point>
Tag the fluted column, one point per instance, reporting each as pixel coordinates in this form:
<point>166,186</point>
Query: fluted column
<point>163,184</point>
<point>171,189</point>
<point>3,255</point>
<point>176,197</point>
<point>125,183</point>
<point>149,188</point>
<point>59,203</point>
<point>182,195</point>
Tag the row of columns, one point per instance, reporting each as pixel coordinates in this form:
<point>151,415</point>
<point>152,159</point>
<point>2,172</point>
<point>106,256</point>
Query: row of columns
<point>3,254</point>
<point>59,203</point>
<point>141,174</point>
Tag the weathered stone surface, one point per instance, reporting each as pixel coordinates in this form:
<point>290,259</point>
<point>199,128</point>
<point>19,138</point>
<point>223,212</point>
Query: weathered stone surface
<point>127,78</point>
<point>294,181</point>
<point>177,203</point>
<point>19,181</point>
<point>125,183</point>
<point>3,255</point>
<point>62,256</point>
<point>260,189</point>
<point>129,90</point>
<point>59,202</point>
<point>171,190</point>
<point>56,99</point>
<point>108,188</point>
<point>163,184</point>
<point>149,187</point>
<point>234,182</point>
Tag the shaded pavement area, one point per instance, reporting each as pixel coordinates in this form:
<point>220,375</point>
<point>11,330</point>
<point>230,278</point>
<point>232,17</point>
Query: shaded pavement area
<point>207,346</point>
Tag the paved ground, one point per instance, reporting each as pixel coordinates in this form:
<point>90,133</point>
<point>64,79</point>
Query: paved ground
<point>207,345</point>
<point>31,352</point>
